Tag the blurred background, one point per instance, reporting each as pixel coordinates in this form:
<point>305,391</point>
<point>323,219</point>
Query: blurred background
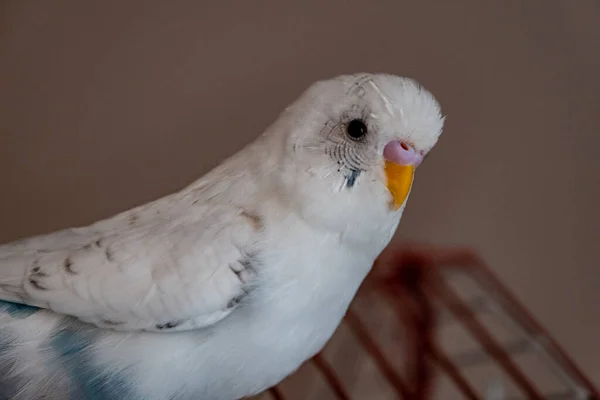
<point>107,105</point>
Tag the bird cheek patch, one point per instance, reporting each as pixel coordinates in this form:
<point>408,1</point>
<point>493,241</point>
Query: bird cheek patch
<point>399,182</point>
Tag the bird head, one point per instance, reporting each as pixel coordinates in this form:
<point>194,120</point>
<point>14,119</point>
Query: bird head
<point>352,145</point>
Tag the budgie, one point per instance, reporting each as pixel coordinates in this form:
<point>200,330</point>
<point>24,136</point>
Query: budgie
<point>224,288</point>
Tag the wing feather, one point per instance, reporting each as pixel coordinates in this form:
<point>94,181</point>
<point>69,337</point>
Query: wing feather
<point>165,274</point>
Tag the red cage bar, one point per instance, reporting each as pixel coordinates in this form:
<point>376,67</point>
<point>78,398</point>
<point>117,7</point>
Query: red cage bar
<point>419,284</point>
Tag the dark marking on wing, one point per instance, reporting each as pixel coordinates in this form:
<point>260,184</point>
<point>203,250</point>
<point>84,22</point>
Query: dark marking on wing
<point>169,325</point>
<point>98,242</point>
<point>248,263</point>
<point>255,219</point>
<point>111,323</point>
<point>352,177</point>
<point>109,255</point>
<point>235,301</point>
<point>68,264</point>
<point>37,273</point>
<point>35,283</point>
<point>87,247</point>
<point>133,219</point>
<point>238,273</point>
<point>244,267</point>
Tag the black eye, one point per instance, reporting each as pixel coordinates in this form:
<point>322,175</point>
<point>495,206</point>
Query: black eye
<point>356,129</point>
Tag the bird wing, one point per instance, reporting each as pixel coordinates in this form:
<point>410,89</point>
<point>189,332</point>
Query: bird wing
<point>167,274</point>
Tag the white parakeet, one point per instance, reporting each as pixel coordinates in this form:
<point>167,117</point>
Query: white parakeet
<point>226,287</point>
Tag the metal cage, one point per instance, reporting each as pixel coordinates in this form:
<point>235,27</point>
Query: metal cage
<point>434,323</point>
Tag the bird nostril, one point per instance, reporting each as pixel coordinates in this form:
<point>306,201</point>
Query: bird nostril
<point>400,153</point>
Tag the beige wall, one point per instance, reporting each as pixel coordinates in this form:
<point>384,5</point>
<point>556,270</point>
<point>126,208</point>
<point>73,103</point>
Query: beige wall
<point>104,105</point>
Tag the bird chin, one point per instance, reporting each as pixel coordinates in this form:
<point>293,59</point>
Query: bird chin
<point>399,182</point>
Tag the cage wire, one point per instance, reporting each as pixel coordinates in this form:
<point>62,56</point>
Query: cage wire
<point>436,323</point>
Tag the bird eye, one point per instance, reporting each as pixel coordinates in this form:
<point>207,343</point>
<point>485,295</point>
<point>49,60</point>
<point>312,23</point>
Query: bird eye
<point>356,129</point>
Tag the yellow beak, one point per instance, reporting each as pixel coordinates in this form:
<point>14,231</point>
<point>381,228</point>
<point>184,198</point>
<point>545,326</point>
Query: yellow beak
<point>399,182</point>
